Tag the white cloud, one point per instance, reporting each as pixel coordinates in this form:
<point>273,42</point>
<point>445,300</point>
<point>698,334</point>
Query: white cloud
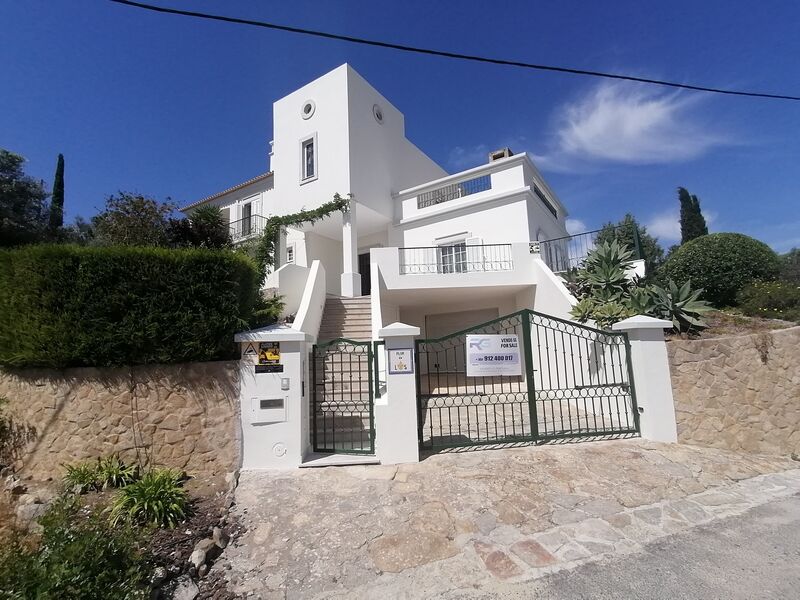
<point>464,158</point>
<point>665,226</point>
<point>629,124</point>
<point>575,226</point>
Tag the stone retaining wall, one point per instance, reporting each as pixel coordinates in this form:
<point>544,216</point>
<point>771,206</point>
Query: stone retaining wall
<point>740,393</point>
<point>183,416</point>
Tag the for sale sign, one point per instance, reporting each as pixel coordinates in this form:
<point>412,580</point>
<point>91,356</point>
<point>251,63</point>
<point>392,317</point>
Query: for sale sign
<point>490,355</point>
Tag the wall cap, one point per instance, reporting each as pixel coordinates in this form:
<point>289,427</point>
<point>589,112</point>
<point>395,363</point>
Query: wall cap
<point>641,322</point>
<point>397,330</point>
<point>273,333</point>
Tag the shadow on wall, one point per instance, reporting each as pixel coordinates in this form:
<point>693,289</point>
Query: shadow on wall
<point>182,416</point>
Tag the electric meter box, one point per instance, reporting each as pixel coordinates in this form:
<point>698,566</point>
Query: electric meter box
<point>268,410</point>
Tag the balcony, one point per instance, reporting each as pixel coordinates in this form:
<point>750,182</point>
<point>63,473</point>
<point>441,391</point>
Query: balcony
<point>454,266</point>
<point>504,178</point>
<point>247,227</point>
<point>456,258</point>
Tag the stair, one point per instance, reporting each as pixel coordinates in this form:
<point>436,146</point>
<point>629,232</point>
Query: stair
<point>349,318</point>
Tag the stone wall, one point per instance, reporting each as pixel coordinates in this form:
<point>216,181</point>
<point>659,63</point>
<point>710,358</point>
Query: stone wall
<point>183,416</point>
<point>740,393</point>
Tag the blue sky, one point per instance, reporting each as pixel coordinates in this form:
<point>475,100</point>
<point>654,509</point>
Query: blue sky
<point>171,106</point>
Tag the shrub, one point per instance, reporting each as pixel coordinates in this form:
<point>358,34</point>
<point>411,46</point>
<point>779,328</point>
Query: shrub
<point>64,306</point>
<point>772,299</point>
<point>790,266</point>
<point>80,556</point>
<point>112,472</point>
<point>722,263</point>
<point>81,477</point>
<point>156,499</point>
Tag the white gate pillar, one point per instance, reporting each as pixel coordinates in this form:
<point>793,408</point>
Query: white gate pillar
<point>273,397</point>
<point>351,279</point>
<point>396,410</point>
<point>651,376</point>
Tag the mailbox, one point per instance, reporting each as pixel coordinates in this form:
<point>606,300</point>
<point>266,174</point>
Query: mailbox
<point>268,410</point>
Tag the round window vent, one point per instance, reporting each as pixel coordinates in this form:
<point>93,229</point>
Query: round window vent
<point>308,109</point>
<point>377,113</point>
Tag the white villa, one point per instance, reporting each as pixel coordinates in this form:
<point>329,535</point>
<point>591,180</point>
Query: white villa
<point>435,250</point>
<point>424,316</point>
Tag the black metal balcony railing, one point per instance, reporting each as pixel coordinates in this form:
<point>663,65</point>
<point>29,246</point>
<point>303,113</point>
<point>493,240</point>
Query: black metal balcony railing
<point>456,258</point>
<point>569,252</point>
<point>246,227</point>
<point>454,191</point>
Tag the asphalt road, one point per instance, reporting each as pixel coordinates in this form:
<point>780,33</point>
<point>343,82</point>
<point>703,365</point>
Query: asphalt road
<point>750,557</point>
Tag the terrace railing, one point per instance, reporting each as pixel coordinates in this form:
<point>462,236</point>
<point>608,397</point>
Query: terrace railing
<point>454,191</point>
<point>247,227</point>
<point>568,252</point>
<point>456,258</point>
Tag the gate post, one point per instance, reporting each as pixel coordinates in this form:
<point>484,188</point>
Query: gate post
<point>651,384</point>
<point>396,438</point>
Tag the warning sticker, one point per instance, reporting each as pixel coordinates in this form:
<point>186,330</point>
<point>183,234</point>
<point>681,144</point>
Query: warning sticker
<point>250,350</point>
<point>269,353</point>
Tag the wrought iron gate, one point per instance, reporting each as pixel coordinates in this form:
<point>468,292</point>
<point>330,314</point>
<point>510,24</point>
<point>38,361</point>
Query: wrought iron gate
<point>342,409</point>
<point>576,382</point>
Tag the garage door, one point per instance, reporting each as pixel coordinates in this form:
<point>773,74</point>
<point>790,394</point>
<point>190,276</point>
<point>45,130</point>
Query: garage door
<point>443,324</point>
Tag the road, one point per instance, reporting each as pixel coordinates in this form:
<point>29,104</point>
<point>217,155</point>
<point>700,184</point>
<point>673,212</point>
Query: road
<point>750,557</point>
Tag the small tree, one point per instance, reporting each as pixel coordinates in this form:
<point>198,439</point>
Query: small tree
<point>57,199</point>
<point>133,220</point>
<point>23,213</point>
<point>206,227</point>
<point>625,232</point>
<point>693,224</point>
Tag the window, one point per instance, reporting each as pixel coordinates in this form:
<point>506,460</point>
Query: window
<point>308,158</point>
<point>453,258</point>
<point>290,254</point>
<point>545,201</point>
<point>247,219</point>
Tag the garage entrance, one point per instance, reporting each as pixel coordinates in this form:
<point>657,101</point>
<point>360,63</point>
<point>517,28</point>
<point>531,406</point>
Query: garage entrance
<point>574,381</point>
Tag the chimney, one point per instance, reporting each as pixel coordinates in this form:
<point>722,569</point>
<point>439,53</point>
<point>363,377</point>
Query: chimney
<point>499,154</point>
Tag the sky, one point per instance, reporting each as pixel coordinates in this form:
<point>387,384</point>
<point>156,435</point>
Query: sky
<point>175,107</point>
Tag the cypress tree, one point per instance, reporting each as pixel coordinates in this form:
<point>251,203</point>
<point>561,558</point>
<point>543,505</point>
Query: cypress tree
<point>57,202</point>
<point>693,224</point>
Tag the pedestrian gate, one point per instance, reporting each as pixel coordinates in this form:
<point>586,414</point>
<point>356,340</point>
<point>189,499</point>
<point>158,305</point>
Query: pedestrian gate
<point>576,381</point>
<point>342,408</point>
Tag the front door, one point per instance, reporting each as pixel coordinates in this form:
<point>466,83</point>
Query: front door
<point>363,268</point>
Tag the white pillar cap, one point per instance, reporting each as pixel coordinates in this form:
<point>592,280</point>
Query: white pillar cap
<point>398,329</point>
<point>641,322</point>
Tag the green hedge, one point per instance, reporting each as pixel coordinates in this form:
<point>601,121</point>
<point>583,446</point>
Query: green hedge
<point>722,264</point>
<point>64,306</point>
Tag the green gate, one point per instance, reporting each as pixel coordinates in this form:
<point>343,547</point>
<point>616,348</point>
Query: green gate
<point>576,381</point>
<point>342,407</point>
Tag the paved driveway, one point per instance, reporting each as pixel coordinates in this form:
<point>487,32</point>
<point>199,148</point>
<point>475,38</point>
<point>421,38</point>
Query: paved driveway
<point>472,520</point>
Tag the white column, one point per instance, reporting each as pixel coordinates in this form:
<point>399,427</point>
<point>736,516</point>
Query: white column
<point>351,279</point>
<point>651,377</point>
<point>396,410</point>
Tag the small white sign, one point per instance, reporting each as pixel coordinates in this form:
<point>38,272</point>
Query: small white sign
<point>489,355</point>
<point>401,361</point>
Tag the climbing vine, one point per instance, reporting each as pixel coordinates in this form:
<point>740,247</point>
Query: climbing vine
<point>267,245</point>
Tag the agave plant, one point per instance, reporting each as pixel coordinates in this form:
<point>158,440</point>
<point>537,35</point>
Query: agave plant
<point>681,305</point>
<point>641,301</point>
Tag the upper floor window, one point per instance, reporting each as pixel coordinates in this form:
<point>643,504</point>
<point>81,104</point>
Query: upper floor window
<point>548,205</point>
<point>308,157</point>
<point>290,254</point>
<point>247,219</point>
